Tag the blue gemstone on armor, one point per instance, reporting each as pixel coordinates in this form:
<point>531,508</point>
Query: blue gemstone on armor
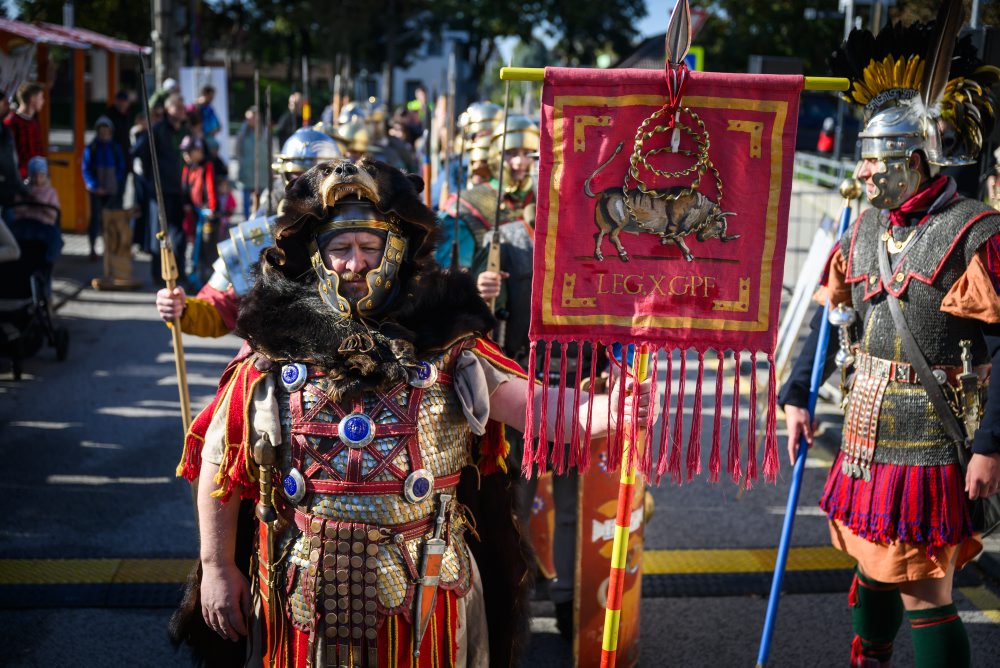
<point>421,486</point>
<point>425,371</point>
<point>291,487</point>
<point>356,428</point>
<point>290,374</point>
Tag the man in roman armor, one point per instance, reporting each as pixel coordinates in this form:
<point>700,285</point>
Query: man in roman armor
<point>212,312</point>
<point>918,274</point>
<point>466,216</point>
<point>366,421</point>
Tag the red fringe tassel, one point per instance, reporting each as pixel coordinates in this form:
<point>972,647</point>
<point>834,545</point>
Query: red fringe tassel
<point>662,457</point>
<point>772,463</point>
<point>617,442</point>
<point>751,475</point>
<point>585,451</point>
<point>675,442</point>
<point>694,439</point>
<point>733,461</point>
<point>558,440</point>
<point>529,423</point>
<point>574,436</point>
<point>715,459</point>
<point>647,446</point>
<point>633,424</point>
<point>542,448</point>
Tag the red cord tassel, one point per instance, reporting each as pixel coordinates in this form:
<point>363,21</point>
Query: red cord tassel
<point>647,445</point>
<point>529,420</point>
<point>715,459</point>
<point>662,457</point>
<point>633,423</point>
<point>617,442</point>
<point>772,463</point>
<point>852,595</point>
<point>558,440</point>
<point>542,448</point>
<point>751,475</point>
<point>675,442</point>
<point>584,461</point>
<point>733,462</point>
<point>694,440</point>
<point>574,433</point>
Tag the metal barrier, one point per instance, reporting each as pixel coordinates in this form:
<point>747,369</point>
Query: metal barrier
<point>822,171</point>
<point>810,208</point>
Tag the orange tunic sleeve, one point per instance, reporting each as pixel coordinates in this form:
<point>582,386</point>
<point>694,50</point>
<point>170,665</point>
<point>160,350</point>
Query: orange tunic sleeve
<point>973,295</point>
<point>836,287</point>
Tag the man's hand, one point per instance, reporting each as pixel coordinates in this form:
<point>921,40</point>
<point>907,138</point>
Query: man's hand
<point>170,305</point>
<point>798,424</point>
<point>225,600</point>
<point>488,283</point>
<point>647,402</point>
<point>982,478</point>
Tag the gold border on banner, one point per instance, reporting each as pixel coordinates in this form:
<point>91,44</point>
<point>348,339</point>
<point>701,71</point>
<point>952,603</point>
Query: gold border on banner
<point>776,107</point>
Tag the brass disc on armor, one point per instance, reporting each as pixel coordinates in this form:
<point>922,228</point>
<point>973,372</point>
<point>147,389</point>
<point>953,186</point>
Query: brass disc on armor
<point>343,548</point>
<point>372,550</point>
<point>329,575</point>
<point>357,562</point>
<point>345,533</point>
<point>371,633</point>
<point>329,561</point>
<point>316,525</point>
<point>331,618</point>
<point>356,589</point>
<point>343,589</point>
<point>357,618</point>
<point>370,592</point>
<point>370,606</point>
<point>356,633</point>
<point>369,620</point>
<point>343,561</point>
<point>329,605</point>
<point>359,534</point>
<point>371,563</point>
<point>330,590</point>
<point>343,618</point>
<point>331,532</point>
<point>331,632</point>
<point>374,535</point>
<point>356,576</point>
<point>343,604</point>
<point>315,542</point>
<point>329,546</point>
<point>314,555</point>
<point>356,604</point>
<point>312,569</point>
<point>357,548</point>
<point>370,578</point>
<point>342,575</point>
<point>343,632</point>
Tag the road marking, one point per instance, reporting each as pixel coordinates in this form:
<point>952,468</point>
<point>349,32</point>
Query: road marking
<point>986,601</point>
<point>105,480</point>
<point>676,562</point>
<point>801,511</point>
<point>93,571</point>
<point>38,424</point>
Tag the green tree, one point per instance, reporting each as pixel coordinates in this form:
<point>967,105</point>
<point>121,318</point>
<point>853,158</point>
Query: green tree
<point>125,20</point>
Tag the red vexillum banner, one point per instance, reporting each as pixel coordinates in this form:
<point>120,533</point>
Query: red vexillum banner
<point>689,257</point>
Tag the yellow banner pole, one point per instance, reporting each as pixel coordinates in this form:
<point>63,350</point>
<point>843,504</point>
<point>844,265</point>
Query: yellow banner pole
<point>538,74</point>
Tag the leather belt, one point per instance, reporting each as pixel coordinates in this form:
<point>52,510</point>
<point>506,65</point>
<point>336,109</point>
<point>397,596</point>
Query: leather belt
<point>408,531</point>
<point>903,372</point>
<point>325,486</point>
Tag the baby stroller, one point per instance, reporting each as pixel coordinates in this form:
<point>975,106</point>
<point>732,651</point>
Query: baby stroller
<point>26,316</point>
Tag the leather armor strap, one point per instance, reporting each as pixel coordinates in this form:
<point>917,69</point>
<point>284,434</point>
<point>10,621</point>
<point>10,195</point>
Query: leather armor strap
<point>323,486</point>
<point>918,362</point>
<point>408,531</point>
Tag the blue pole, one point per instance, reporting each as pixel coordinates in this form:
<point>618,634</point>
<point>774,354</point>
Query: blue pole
<point>815,381</point>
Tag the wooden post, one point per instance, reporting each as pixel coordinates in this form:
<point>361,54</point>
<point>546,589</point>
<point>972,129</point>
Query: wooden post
<point>79,128</point>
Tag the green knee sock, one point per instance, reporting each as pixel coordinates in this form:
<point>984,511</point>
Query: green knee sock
<point>939,637</point>
<point>876,614</point>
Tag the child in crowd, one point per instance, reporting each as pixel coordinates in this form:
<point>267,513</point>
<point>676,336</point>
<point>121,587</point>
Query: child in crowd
<point>42,192</point>
<point>197,182</point>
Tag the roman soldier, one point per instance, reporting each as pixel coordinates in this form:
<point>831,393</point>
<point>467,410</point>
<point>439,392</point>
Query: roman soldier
<point>212,312</point>
<point>914,283</point>
<point>468,215</point>
<point>366,421</point>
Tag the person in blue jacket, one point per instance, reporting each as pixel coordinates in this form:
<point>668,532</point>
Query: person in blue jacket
<point>103,175</point>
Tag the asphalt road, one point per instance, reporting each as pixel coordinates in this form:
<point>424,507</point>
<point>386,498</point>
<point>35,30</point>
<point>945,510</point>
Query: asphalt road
<point>91,443</point>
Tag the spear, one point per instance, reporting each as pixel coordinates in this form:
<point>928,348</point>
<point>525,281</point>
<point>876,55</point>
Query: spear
<point>168,262</point>
<point>270,166</point>
<point>493,257</point>
<point>256,142</point>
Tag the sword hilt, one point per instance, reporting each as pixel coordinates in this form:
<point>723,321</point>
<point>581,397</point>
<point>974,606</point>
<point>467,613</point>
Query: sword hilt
<point>442,516</point>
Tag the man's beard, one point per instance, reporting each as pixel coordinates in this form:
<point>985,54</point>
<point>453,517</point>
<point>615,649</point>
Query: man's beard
<point>352,285</point>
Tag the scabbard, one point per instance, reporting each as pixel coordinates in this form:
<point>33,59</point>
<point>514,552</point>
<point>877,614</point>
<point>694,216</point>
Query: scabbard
<point>427,587</point>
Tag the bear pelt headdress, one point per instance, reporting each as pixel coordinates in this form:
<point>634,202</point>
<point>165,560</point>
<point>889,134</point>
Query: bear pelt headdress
<point>285,318</point>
